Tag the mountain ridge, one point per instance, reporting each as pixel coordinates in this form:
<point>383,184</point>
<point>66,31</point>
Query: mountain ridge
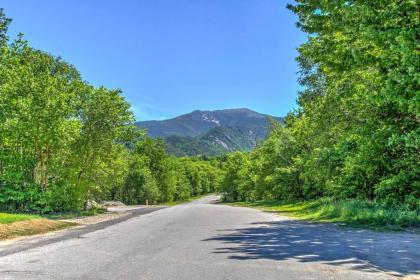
<point>210,132</point>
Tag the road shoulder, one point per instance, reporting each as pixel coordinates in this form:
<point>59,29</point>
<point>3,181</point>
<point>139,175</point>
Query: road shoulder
<point>85,225</point>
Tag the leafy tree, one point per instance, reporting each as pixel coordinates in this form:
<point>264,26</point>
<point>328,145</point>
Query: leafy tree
<point>364,56</point>
<point>64,142</point>
<point>355,133</point>
<point>140,185</point>
<point>104,115</point>
<point>37,117</point>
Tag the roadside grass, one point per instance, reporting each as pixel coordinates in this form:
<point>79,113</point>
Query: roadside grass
<point>16,225</point>
<point>354,213</point>
<point>7,218</point>
<point>191,199</point>
<point>29,226</point>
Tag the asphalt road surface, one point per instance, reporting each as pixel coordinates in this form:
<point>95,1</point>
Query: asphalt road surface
<point>207,241</point>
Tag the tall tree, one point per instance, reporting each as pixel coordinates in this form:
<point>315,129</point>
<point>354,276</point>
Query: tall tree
<point>363,56</point>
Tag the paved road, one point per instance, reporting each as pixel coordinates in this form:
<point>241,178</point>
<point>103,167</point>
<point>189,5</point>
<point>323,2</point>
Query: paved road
<point>207,241</point>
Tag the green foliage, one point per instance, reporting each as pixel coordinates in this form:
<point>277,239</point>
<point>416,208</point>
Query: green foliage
<point>64,142</point>
<point>355,134</point>
<point>38,123</point>
<point>359,109</point>
<point>216,142</point>
<point>356,213</point>
<point>155,176</point>
<point>356,131</point>
<point>237,182</point>
<point>140,186</point>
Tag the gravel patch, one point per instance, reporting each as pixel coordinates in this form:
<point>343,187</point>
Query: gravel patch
<point>90,220</point>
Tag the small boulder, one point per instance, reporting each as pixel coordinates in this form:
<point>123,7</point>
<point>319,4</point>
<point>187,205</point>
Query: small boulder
<point>92,204</point>
<point>112,203</point>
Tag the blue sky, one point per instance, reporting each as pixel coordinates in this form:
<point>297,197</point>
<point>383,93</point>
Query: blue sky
<point>171,57</point>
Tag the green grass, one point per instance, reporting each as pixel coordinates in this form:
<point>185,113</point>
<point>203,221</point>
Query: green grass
<point>355,213</point>
<point>178,202</point>
<point>16,225</point>
<point>7,218</point>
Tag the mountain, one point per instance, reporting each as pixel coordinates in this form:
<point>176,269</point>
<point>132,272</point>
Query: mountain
<point>210,132</point>
<point>218,140</point>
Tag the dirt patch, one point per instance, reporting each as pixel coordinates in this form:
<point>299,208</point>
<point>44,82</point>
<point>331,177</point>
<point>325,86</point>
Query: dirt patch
<point>31,227</point>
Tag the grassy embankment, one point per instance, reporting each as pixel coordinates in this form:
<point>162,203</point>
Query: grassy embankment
<point>15,225</point>
<point>355,213</point>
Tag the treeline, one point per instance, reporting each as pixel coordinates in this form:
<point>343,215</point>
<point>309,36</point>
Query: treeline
<point>64,142</point>
<point>155,176</point>
<point>356,132</point>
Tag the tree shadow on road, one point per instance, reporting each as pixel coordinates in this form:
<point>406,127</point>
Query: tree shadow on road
<point>308,242</point>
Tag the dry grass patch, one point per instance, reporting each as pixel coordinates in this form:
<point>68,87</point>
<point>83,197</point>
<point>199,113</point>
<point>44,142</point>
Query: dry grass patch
<point>31,227</point>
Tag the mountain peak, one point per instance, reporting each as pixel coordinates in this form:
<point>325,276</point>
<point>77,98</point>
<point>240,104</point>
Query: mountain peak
<point>230,110</point>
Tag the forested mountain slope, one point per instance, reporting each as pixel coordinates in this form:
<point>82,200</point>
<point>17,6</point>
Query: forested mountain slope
<point>211,132</point>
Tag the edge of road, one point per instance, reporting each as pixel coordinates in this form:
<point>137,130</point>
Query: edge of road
<point>13,246</point>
